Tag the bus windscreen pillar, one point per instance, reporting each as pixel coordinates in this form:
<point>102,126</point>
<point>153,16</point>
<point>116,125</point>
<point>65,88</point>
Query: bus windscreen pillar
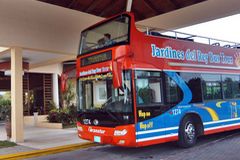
<point>16,95</point>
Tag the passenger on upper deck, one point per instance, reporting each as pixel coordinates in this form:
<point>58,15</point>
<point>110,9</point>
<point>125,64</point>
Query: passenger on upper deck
<point>106,40</point>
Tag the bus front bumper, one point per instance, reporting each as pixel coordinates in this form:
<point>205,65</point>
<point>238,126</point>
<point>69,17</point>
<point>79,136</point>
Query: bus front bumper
<point>120,135</point>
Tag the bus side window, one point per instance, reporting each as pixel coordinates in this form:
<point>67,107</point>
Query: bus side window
<point>193,80</point>
<point>173,92</point>
<point>231,86</point>
<point>211,85</point>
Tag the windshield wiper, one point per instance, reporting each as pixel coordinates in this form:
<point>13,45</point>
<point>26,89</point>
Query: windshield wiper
<point>104,105</point>
<point>111,114</point>
<point>108,111</point>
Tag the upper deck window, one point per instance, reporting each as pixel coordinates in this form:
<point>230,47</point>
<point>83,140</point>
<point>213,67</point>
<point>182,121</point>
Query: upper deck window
<point>104,35</point>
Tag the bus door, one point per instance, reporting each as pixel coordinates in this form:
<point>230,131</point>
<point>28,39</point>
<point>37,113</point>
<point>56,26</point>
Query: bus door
<point>149,101</point>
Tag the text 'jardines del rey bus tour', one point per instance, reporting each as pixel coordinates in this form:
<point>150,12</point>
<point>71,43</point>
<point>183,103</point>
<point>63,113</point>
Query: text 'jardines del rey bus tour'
<point>137,89</point>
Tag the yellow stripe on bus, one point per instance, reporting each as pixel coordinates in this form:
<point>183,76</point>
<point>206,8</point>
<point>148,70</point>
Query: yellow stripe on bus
<point>219,104</point>
<point>212,113</point>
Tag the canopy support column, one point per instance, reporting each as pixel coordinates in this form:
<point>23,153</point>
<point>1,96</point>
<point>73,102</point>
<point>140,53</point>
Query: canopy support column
<point>129,5</point>
<point>55,89</point>
<point>17,95</point>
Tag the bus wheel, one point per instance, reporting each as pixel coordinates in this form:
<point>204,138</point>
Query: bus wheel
<point>187,133</point>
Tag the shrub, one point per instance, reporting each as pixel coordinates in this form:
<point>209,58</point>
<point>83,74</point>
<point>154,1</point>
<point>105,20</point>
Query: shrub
<point>65,116</point>
<point>72,110</point>
<point>68,115</point>
<point>54,116</point>
<point>52,105</point>
<point>5,109</point>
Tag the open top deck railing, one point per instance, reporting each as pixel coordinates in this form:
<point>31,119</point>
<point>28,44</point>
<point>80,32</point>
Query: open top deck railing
<point>158,32</point>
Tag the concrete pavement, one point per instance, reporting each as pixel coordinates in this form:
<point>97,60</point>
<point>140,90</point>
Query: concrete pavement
<point>41,138</point>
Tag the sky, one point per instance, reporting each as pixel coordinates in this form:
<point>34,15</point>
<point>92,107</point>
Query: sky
<point>227,28</point>
<point>2,93</point>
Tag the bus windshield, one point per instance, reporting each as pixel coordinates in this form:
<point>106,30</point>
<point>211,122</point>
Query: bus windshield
<point>97,93</point>
<point>107,34</point>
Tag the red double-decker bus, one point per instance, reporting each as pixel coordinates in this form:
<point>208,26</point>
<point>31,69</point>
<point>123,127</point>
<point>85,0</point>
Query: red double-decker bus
<point>141,87</point>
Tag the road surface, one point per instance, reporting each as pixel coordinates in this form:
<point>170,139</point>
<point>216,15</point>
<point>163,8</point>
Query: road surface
<point>223,146</point>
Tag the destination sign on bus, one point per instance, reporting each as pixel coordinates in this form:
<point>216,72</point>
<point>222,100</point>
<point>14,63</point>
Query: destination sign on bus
<point>94,71</point>
<point>102,57</point>
<point>195,55</point>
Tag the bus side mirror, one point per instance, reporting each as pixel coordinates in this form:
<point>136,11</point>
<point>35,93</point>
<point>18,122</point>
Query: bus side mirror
<point>117,74</point>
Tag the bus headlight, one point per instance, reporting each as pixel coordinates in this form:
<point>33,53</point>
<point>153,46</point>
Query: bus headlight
<point>120,132</point>
<point>80,128</point>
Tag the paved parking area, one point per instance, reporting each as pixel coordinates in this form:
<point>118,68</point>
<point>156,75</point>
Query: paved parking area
<point>224,146</point>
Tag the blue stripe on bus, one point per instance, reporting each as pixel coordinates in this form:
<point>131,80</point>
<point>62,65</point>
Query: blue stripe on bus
<point>187,94</point>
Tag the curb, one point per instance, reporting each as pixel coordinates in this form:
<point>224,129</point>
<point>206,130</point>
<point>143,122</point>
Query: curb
<point>47,151</point>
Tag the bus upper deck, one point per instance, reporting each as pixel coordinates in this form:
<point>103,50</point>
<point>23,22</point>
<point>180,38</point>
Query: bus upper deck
<point>141,41</point>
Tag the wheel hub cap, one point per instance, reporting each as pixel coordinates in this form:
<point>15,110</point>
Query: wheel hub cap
<point>190,131</point>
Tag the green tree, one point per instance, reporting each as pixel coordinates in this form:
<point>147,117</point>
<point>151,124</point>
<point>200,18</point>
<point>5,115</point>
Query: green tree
<point>7,96</point>
<point>5,106</point>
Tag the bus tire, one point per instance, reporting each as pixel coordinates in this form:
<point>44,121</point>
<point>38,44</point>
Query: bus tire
<point>187,133</point>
